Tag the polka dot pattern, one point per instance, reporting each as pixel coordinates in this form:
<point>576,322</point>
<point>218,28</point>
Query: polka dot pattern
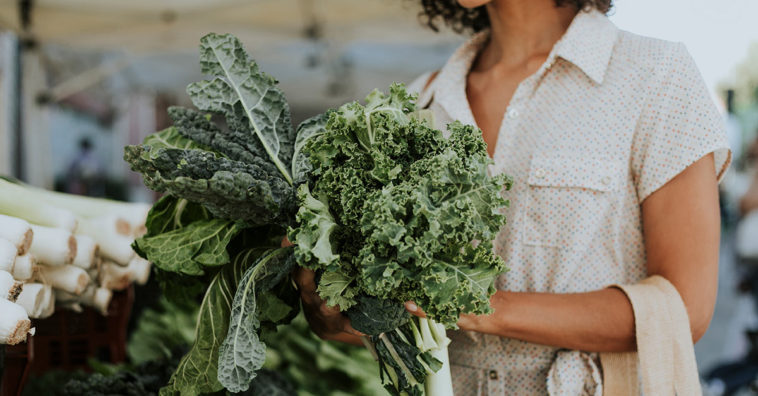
<point>606,121</point>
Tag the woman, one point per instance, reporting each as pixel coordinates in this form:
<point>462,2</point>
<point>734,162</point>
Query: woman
<point>615,148</point>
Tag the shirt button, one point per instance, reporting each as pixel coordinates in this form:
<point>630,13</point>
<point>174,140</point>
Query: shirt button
<point>512,113</point>
<point>606,180</point>
<point>493,374</point>
<point>539,173</point>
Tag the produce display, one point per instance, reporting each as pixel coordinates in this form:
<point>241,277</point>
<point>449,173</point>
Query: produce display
<point>381,205</point>
<point>61,250</point>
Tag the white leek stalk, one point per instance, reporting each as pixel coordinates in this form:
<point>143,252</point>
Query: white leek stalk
<point>16,201</point>
<point>65,277</point>
<point>86,250</point>
<point>139,270</point>
<point>8,253</point>
<point>93,296</point>
<point>114,277</point>
<point>113,246</point>
<point>439,382</point>
<point>88,207</point>
<point>9,287</point>
<point>25,267</point>
<point>14,323</point>
<point>47,305</point>
<point>16,231</point>
<point>53,246</point>
<point>33,297</point>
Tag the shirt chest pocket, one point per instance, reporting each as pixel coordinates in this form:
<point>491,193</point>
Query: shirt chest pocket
<point>571,199</point>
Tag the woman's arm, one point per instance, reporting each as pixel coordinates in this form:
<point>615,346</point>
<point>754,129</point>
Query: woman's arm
<point>681,226</point>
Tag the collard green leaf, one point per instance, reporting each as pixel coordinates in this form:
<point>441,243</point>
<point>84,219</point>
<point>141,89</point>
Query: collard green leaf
<point>248,97</point>
<point>242,352</point>
<point>188,249</point>
<point>170,213</point>
<point>197,372</point>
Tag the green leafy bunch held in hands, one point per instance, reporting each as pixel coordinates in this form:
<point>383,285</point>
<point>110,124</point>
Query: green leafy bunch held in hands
<point>383,207</point>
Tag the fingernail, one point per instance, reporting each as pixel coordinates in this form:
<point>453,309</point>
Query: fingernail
<point>411,307</point>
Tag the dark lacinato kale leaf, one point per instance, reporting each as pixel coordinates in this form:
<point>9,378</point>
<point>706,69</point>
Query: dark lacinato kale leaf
<point>239,172</point>
<point>247,97</point>
<point>234,190</point>
<point>373,316</point>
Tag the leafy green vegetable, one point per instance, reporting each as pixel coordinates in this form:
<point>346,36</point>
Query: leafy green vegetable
<point>241,173</point>
<point>242,353</point>
<point>197,372</point>
<point>160,332</point>
<point>247,96</point>
<point>189,249</point>
<point>318,367</point>
<point>379,203</point>
<point>399,209</point>
<point>395,212</point>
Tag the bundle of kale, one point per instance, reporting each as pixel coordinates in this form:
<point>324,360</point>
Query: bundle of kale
<point>384,207</point>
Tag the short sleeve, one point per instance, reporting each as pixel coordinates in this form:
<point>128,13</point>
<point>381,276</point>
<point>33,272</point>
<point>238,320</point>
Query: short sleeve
<point>678,125</point>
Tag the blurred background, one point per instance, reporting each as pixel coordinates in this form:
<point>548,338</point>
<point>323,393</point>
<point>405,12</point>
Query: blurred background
<point>80,79</point>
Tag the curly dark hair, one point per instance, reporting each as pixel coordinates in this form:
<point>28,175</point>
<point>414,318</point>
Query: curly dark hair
<point>462,19</point>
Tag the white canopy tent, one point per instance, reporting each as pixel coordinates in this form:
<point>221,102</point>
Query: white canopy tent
<point>324,52</point>
<point>290,38</point>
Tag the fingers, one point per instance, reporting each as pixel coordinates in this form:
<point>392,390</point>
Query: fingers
<point>305,280</point>
<point>413,309</point>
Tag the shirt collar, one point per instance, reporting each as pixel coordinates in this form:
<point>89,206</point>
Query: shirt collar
<point>588,44</point>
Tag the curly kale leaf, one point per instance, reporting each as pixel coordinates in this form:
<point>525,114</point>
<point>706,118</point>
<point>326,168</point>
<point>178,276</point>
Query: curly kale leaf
<point>396,211</point>
<point>306,130</point>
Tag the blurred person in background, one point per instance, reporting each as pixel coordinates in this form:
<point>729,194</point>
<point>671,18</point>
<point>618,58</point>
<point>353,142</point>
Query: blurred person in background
<point>616,148</point>
<point>85,175</point>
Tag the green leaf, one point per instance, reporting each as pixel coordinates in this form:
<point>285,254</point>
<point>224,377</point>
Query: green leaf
<point>335,288</point>
<point>306,130</point>
<point>169,138</point>
<point>313,238</point>
<point>242,352</point>
<point>170,213</point>
<point>253,192</point>
<point>189,249</point>
<point>197,372</point>
<point>248,97</point>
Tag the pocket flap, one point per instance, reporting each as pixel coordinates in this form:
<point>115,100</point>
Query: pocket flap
<point>561,170</point>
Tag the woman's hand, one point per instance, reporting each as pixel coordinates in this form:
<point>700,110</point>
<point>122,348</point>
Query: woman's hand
<point>327,322</point>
